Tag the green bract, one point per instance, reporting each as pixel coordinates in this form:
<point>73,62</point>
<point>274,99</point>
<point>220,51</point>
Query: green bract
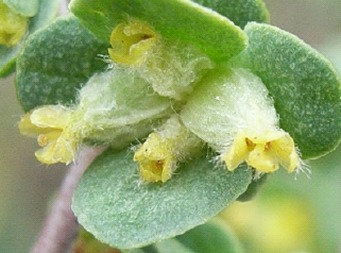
<point>108,112</point>
<point>304,85</point>
<point>112,203</point>
<point>215,35</point>
<point>65,57</point>
<point>38,13</point>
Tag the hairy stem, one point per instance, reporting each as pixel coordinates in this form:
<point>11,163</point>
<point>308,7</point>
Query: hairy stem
<point>61,227</point>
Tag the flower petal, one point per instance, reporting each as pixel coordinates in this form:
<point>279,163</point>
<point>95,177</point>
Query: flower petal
<point>51,116</point>
<point>155,159</point>
<point>26,127</point>
<point>60,150</point>
<point>285,151</point>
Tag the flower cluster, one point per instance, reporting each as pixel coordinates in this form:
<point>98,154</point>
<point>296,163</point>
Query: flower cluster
<point>176,95</point>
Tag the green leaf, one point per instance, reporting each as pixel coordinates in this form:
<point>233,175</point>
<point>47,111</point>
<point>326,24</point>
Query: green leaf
<point>303,84</point>
<point>171,246</point>
<point>239,11</point>
<point>175,20</point>
<point>55,62</point>
<point>253,189</point>
<point>113,204</point>
<point>211,237</point>
<point>47,11</point>
<point>26,8</point>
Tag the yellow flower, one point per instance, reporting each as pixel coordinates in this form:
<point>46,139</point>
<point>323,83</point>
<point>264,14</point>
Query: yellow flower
<point>264,152</point>
<point>159,156</point>
<point>51,125</point>
<point>156,159</point>
<point>12,26</point>
<point>130,42</point>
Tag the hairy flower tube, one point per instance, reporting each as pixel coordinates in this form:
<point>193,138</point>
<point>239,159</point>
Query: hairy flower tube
<point>105,114</point>
<point>164,149</point>
<point>231,111</point>
<point>172,68</point>
<point>12,26</point>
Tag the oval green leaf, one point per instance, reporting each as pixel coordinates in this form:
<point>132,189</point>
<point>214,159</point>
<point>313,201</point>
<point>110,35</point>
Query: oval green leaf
<point>112,203</point>
<point>47,11</point>
<point>239,11</point>
<point>55,62</point>
<point>175,20</point>
<point>304,85</point>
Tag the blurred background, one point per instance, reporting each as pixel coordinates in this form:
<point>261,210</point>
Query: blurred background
<point>288,215</point>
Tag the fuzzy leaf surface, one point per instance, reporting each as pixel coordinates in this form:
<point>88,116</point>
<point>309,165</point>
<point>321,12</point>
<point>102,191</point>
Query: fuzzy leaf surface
<point>55,62</point>
<point>112,203</point>
<point>304,85</point>
<point>239,11</point>
<point>184,20</point>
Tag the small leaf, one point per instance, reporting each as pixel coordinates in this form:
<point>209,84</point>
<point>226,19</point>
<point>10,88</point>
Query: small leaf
<point>55,62</point>
<point>239,11</point>
<point>211,237</point>
<point>27,8</point>
<point>47,11</point>
<point>175,20</point>
<point>304,85</point>
<point>111,203</point>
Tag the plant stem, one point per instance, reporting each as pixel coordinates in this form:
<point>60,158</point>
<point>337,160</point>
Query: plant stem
<point>61,227</point>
